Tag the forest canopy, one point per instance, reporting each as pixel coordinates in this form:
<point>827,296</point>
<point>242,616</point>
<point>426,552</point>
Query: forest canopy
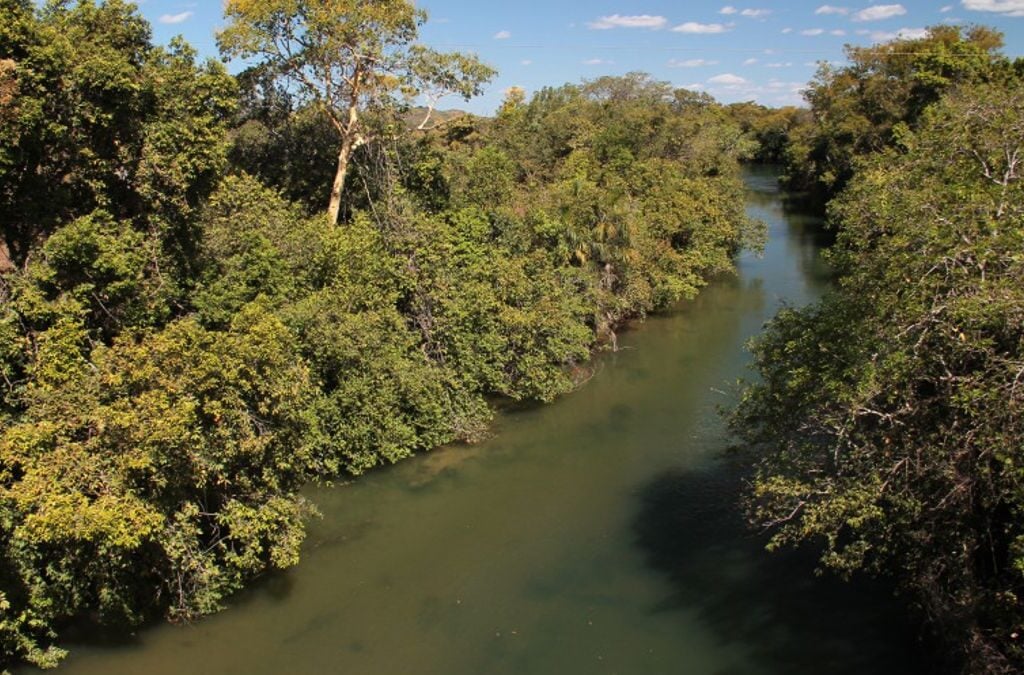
<point>889,416</point>
<point>186,339</point>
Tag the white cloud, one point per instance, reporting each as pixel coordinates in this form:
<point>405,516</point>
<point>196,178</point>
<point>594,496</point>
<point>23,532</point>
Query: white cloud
<point>176,18</point>
<point>526,62</point>
<point>947,8</point>
<point>912,33</point>
<point>727,78</point>
<point>787,64</point>
<point>812,31</point>
<point>838,32</point>
<point>704,28</point>
<point>690,63</point>
<point>749,13</point>
<point>830,9</point>
<point>750,62</point>
<point>1006,7</point>
<point>787,31</point>
<point>597,62</point>
<point>901,34</point>
<point>879,12</point>
<point>633,21</point>
<point>502,35</point>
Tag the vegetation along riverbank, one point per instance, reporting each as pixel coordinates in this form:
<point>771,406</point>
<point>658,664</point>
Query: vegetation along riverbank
<point>187,339</point>
<point>217,288</point>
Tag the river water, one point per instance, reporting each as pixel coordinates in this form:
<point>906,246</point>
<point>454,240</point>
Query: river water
<point>595,535</point>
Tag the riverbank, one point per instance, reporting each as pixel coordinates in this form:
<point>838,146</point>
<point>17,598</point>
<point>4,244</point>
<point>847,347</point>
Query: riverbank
<point>597,534</point>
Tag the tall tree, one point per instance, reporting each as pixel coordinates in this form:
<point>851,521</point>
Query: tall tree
<point>347,58</point>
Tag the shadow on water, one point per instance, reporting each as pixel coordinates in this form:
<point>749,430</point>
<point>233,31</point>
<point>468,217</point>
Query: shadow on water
<point>770,604</point>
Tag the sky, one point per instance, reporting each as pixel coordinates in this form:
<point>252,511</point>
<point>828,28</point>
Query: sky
<point>765,50</point>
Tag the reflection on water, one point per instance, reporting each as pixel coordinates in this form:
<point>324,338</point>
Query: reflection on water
<point>595,535</point>
<point>791,621</point>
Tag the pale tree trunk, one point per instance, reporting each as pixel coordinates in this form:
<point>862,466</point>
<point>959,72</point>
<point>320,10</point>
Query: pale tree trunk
<point>350,140</point>
<point>334,208</point>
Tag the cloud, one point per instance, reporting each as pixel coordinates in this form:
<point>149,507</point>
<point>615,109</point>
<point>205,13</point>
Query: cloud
<point>901,34</point>
<point>947,8</point>
<point>749,62</point>
<point>787,31</point>
<point>176,18</point>
<point>879,12</point>
<point>838,32</point>
<point>700,28</point>
<point>829,9</point>
<point>727,78</point>
<point>597,62</point>
<point>633,21</point>
<point>1005,7</point>
<point>787,64</point>
<point>812,31</point>
<point>749,13</point>
<point>526,62</point>
<point>690,63</point>
<point>502,35</point>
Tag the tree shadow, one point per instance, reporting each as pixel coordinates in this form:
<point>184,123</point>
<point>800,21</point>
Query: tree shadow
<point>771,605</point>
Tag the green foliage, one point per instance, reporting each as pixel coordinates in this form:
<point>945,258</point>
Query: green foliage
<point>772,129</point>
<point>899,448</point>
<point>866,107</point>
<point>103,120</point>
<point>96,268</point>
<point>348,60</point>
<point>184,344</point>
<point>166,468</point>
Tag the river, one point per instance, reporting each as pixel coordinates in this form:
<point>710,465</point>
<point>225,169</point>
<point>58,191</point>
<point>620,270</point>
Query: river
<point>594,535</point>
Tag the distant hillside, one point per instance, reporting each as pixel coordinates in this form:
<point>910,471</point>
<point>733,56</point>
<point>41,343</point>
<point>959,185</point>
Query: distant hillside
<point>414,117</point>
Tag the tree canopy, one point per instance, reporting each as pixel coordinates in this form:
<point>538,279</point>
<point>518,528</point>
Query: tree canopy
<point>184,345</point>
<point>348,59</point>
<point>869,105</point>
<point>890,413</point>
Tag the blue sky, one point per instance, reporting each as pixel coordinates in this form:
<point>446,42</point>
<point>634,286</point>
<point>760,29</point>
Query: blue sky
<point>764,50</point>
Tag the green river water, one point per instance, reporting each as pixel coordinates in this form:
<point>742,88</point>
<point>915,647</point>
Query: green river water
<point>595,535</point>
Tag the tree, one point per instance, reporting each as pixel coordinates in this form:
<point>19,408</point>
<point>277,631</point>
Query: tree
<point>93,116</point>
<point>891,413</point>
<point>868,105</point>
<point>349,58</point>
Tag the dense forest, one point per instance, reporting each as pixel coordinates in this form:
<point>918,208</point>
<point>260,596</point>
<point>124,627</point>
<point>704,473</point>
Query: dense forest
<point>890,416</point>
<point>216,288</point>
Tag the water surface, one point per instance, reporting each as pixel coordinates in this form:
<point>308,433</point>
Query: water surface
<point>594,535</point>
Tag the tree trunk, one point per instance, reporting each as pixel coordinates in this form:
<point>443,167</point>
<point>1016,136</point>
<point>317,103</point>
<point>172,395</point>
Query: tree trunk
<point>334,208</point>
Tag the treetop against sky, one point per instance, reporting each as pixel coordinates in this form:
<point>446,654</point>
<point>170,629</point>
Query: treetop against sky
<point>763,50</point>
